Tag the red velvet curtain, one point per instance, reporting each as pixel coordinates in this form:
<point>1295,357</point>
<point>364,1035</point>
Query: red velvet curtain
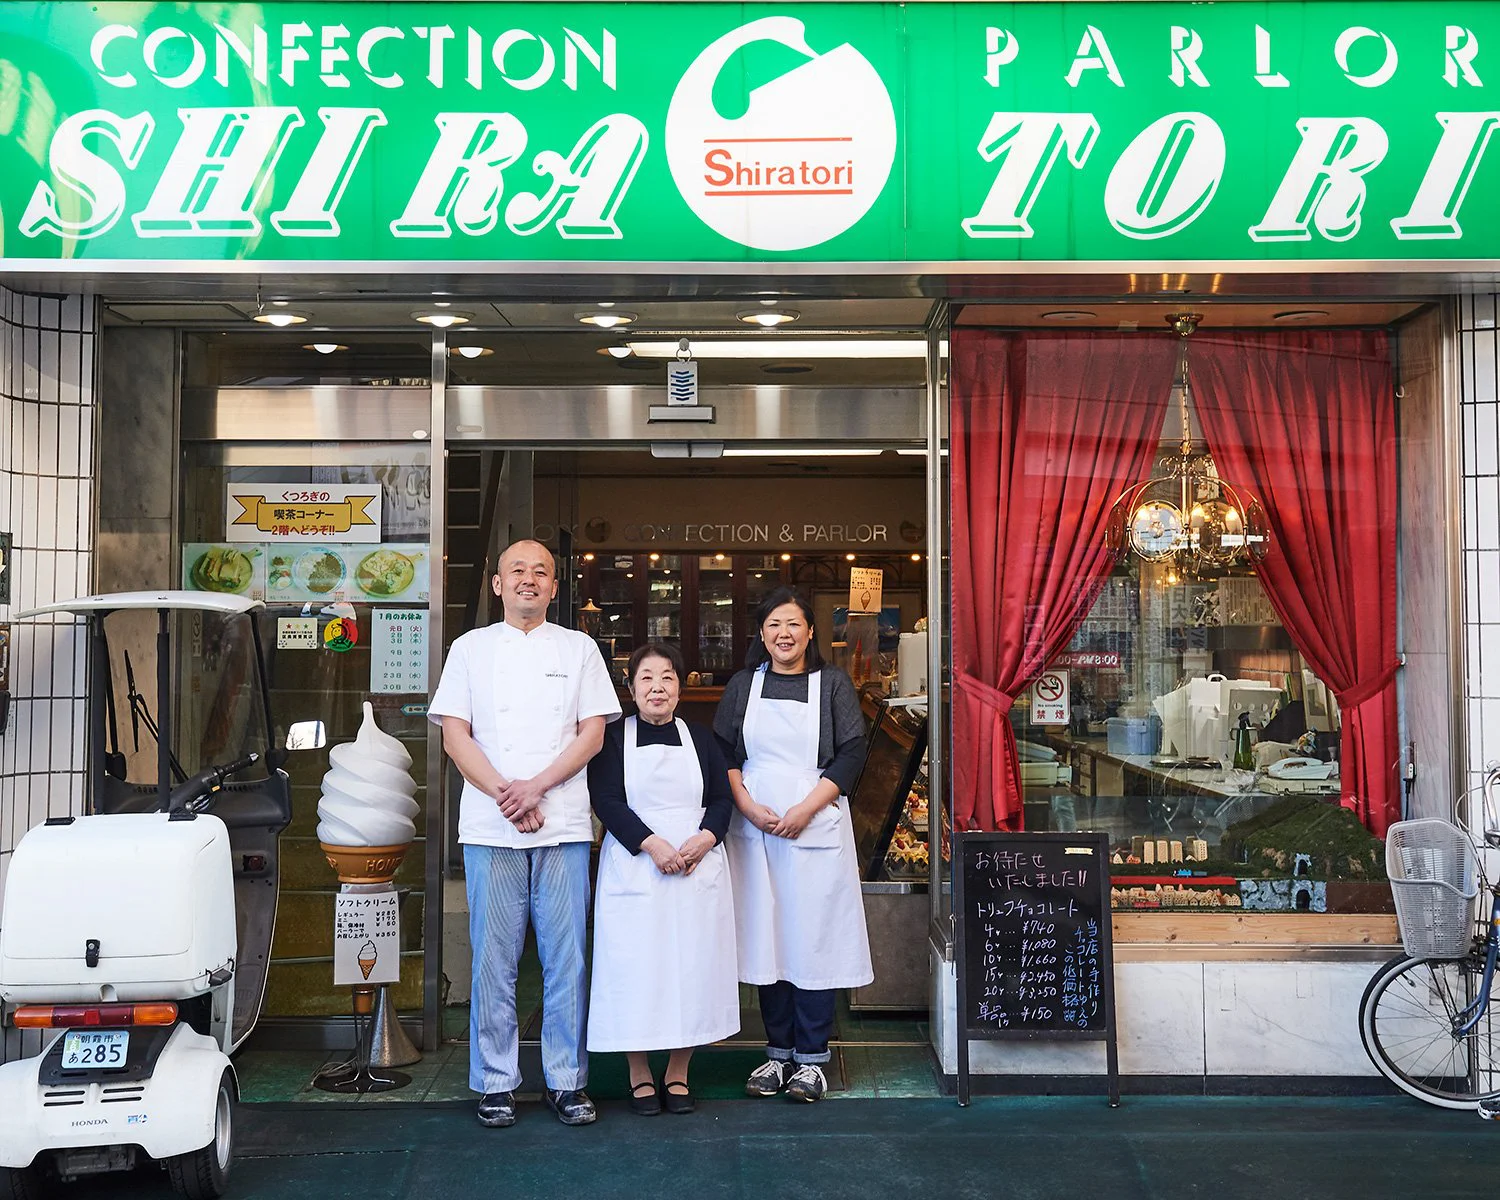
<point>1046,431</point>
<point>1307,422</point>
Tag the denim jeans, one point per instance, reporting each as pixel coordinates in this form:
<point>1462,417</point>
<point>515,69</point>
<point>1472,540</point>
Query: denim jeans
<point>798,1022</point>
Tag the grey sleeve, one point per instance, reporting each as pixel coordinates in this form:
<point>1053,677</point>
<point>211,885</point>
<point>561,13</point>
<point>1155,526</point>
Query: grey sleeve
<point>729,720</point>
<point>846,755</point>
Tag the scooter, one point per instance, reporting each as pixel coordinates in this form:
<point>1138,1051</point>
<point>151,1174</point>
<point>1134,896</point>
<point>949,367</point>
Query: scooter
<point>134,939</point>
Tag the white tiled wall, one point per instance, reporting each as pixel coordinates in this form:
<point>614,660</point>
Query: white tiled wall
<point>1479,366</point>
<point>46,503</point>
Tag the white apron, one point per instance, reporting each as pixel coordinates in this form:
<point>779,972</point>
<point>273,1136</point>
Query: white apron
<point>664,961</point>
<point>799,914</point>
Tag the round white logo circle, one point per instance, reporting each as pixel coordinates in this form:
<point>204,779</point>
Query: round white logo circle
<point>806,160</point>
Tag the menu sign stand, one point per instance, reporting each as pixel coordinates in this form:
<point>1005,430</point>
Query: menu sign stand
<point>1035,958</point>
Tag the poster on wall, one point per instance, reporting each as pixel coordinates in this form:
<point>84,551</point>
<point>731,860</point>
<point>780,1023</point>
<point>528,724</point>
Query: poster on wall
<point>284,574</point>
<point>229,570</point>
<point>298,512</point>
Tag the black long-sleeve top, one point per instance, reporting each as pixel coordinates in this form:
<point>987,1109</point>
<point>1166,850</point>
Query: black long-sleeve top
<point>607,781</point>
<point>841,724</point>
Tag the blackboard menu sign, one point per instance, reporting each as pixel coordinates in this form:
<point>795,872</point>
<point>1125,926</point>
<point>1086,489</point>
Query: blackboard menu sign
<point>1034,949</point>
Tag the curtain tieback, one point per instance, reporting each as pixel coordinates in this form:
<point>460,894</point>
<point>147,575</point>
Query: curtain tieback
<point>989,696</point>
<point>1361,692</point>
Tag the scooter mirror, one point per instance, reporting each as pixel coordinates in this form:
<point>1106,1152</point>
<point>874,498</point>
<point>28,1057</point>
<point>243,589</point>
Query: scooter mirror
<point>306,735</point>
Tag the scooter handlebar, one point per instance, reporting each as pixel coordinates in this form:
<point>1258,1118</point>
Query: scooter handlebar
<point>194,791</point>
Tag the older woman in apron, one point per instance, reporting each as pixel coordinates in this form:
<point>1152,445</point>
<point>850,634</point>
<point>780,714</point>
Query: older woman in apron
<point>664,958</point>
<point>794,738</point>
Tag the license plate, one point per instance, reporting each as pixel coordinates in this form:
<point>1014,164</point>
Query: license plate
<point>104,1050</point>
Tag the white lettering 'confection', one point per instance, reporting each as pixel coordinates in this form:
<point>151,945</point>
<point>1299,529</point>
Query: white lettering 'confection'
<point>368,790</point>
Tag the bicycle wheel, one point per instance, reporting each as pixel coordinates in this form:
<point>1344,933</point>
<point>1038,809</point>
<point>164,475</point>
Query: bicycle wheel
<point>1406,1019</point>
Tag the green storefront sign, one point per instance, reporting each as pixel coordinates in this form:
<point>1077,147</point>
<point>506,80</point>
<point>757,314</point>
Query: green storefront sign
<point>544,133</point>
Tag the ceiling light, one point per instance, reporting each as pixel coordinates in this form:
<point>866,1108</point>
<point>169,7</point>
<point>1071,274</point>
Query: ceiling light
<point>614,351</point>
<point>1068,314</point>
<point>281,318</point>
<point>772,452</point>
<point>607,320</point>
<point>768,318</point>
<point>791,347</point>
<point>442,318</point>
<point>916,558</point>
<point>471,351</point>
<point>786,558</point>
<point>325,347</point>
<point>280,303</point>
<point>772,300</point>
<point>1300,314</point>
<point>848,558</point>
<point>605,304</point>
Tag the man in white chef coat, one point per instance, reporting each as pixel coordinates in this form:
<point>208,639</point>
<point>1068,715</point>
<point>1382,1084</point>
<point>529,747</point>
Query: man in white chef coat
<point>523,704</point>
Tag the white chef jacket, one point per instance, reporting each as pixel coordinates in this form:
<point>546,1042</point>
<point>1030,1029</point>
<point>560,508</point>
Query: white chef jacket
<point>523,695</point>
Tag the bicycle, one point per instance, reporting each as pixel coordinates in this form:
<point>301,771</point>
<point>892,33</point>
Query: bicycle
<point>1428,1018</point>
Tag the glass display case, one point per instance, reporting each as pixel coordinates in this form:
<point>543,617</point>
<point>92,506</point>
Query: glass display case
<point>717,648</point>
<point>888,804</point>
<point>615,594</point>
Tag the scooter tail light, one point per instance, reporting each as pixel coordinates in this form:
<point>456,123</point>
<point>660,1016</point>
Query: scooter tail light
<point>56,1016</point>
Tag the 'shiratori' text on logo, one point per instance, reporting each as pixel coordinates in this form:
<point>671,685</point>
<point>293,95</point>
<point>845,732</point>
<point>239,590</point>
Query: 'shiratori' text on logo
<point>224,158</point>
<point>805,160</point>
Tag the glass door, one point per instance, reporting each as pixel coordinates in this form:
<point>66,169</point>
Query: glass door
<point>716,616</point>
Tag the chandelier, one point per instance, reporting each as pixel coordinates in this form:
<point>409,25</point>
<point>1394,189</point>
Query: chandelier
<point>1186,516</point>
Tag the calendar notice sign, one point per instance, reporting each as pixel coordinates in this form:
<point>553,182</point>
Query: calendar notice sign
<point>398,650</point>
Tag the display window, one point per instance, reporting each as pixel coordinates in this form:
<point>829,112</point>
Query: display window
<point>1175,562</point>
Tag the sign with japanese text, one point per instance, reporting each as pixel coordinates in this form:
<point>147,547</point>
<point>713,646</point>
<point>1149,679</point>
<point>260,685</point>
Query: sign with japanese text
<point>865,587</point>
<point>1050,702</point>
<point>366,934</point>
<point>296,513</point>
<point>398,650</point>
<point>140,135</point>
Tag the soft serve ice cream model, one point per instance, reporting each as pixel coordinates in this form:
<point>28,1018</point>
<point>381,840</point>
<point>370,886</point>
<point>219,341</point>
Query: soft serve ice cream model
<point>366,817</point>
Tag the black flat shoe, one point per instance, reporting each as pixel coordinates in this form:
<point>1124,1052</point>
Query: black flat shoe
<point>570,1107</point>
<point>677,1098</point>
<point>647,1103</point>
<point>497,1110</point>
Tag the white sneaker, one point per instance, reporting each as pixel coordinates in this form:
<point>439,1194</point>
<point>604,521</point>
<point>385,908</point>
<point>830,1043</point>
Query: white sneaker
<point>807,1083</point>
<point>1489,1110</point>
<point>767,1079</point>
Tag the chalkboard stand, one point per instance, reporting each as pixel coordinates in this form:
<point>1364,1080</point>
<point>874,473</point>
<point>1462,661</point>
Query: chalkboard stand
<point>1064,873</point>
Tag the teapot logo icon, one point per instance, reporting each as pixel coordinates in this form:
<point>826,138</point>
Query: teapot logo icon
<point>805,161</point>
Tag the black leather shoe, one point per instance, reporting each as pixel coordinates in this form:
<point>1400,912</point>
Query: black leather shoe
<point>677,1097</point>
<point>572,1108</point>
<point>645,1099</point>
<point>497,1110</point>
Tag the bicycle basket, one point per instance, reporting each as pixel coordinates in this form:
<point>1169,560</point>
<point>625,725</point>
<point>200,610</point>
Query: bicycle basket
<point>1434,878</point>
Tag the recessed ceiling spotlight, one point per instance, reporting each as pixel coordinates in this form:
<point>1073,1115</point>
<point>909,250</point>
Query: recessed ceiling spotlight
<point>471,351</point>
<point>442,304</point>
<point>615,351</point>
<point>1300,314</point>
<point>325,347</point>
<point>606,320</point>
<point>772,300</point>
<point>768,318</point>
<point>605,304</point>
<point>1068,314</point>
<point>281,318</point>
<point>444,319</point>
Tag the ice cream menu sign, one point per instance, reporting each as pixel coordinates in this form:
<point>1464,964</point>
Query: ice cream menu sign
<point>1034,950</point>
<point>366,945</point>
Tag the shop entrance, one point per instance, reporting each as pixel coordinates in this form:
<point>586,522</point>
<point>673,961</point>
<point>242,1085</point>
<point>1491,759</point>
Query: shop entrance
<point>660,547</point>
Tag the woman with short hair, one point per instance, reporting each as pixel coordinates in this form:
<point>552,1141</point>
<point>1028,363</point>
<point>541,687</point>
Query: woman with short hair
<point>664,958</point>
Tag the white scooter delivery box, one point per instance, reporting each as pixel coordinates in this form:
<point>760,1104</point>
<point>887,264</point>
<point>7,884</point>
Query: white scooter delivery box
<point>148,900</point>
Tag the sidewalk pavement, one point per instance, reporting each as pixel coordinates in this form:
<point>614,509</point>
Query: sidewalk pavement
<point>1028,1148</point>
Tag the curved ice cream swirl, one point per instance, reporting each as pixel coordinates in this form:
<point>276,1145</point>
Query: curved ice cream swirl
<point>368,790</point>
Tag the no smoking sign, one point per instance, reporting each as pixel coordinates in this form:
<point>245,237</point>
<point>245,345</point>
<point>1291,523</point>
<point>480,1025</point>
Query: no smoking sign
<point>1049,699</point>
